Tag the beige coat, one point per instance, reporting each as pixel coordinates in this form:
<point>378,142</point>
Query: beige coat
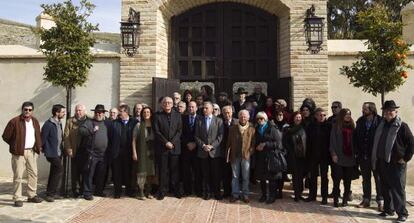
<point>236,140</point>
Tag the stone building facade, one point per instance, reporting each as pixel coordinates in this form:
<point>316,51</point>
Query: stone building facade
<point>308,72</point>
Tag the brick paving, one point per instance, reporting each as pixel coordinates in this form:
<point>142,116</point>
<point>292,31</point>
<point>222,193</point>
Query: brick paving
<point>190,209</point>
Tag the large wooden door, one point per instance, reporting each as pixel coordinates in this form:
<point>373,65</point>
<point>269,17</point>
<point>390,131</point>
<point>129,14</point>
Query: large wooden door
<point>162,87</point>
<point>225,43</point>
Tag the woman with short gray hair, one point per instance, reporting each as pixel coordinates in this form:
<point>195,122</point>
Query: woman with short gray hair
<point>268,140</point>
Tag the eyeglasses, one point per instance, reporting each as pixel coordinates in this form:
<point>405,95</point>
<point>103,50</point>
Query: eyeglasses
<point>333,107</point>
<point>322,115</point>
<point>260,118</point>
<point>216,109</point>
<point>28,109</point>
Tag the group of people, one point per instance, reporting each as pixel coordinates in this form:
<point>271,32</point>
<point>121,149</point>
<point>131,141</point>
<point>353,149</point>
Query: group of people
<point>214,149</point>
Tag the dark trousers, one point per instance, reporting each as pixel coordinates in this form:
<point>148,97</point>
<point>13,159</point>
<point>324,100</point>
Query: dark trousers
<point>322,170</point>
<point>211,171</point>
<point>55,175</point>
<point>94,173</point>
<point>344,174</point>
<point>169,172</point>
<point>367,172</point>
<point>190,173</point>
<point>227,177</point>
<point>298,175</point>
<point>122,173</point>
<point>393,178</point>
<point>76,175</point>
<point>275,186</point>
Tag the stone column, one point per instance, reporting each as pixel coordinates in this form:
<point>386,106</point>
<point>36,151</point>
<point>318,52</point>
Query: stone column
<point>408,20</point>
<point>44,21</point>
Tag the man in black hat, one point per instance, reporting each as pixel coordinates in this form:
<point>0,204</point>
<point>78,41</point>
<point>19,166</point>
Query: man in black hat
<point>240,103</point>
<point>94,135</point>
<point>393,148</point>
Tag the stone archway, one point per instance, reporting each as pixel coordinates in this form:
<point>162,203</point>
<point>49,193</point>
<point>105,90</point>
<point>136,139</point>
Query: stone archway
<point>308,71</point>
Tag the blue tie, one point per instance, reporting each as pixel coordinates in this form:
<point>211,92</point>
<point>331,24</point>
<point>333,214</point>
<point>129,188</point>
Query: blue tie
<point>191,121</point>
<point>208,122</point>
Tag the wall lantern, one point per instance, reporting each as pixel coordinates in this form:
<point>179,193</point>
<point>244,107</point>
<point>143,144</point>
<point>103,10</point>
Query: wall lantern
<point>313,30</point>
<point>130,33</point>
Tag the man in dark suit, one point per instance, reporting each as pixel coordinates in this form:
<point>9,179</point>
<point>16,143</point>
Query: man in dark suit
<point>167,129</point>
<point>121,151</point>
<point>228,120</point>
<point>208,136</point>
<point>189,162</point>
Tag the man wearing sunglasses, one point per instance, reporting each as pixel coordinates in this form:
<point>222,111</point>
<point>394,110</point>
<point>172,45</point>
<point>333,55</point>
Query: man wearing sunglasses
<point>22,134</point>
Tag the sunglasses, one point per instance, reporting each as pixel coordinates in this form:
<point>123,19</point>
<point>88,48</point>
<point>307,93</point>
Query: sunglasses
<point>260,118</point>
<point>216,109</point>
<point>28,109</point>
<point>334,107</point>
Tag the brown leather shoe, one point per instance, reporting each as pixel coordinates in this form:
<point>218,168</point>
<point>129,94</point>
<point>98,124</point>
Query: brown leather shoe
<point>246,200</point>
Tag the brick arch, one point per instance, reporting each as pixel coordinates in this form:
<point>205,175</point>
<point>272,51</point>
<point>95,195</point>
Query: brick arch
<point>176,7</point>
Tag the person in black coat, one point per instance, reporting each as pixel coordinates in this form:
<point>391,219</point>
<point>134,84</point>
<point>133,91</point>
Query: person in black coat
<point>190,164</point>
<point>167,129</point>
<point>121,152</point>
<point>318,155</point>
<point>294,140</point>
<point>52,143</point>
<point>240,104</point>
<point>258,98</point>
<point>94,142</point>
<point>363,140</point>
<point>228,121</point>
<point>393,147</point>
<point>268,139</point>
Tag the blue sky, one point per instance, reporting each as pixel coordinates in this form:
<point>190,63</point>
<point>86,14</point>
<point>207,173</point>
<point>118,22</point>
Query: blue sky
<point>107,12</point>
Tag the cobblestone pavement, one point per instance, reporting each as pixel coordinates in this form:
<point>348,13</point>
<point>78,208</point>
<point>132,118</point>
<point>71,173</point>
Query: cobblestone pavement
<point>190,209</point>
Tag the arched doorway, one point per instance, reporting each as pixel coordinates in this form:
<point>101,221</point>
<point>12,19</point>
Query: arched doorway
<point>225,43</point>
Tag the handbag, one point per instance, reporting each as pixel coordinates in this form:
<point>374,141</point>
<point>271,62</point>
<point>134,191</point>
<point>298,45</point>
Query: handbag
<point>276,162</point>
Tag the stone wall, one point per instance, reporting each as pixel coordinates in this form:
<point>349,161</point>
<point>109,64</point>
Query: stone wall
<point>21,79</point>
<point>13,33</point>
<point>308,71</point>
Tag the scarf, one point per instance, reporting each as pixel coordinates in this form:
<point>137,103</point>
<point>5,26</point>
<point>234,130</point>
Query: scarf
<point>347,141</point>
<point>262,128</point>
<point>243,128</point>
<point>392,135</point>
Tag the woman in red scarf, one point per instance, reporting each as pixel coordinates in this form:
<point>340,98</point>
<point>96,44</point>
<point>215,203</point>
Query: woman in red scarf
<point>342,154</point>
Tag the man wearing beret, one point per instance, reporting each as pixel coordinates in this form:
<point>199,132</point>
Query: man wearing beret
<point>393,148</point>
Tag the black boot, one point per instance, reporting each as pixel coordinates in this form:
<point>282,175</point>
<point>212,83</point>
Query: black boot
<point>336,202</point>
<point>263,187</point>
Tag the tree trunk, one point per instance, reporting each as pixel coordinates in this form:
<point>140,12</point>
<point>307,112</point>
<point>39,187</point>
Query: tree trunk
<point>68,102</point>
<point>382,101</point>
<point>64,190</point>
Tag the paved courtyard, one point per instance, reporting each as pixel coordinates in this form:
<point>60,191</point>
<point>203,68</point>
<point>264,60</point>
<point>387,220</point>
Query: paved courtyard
<point>189,209</point>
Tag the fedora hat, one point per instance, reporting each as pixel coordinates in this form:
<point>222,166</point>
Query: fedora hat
<point>389,105</point>
<point>241,90</point>
<point>99,108</point>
